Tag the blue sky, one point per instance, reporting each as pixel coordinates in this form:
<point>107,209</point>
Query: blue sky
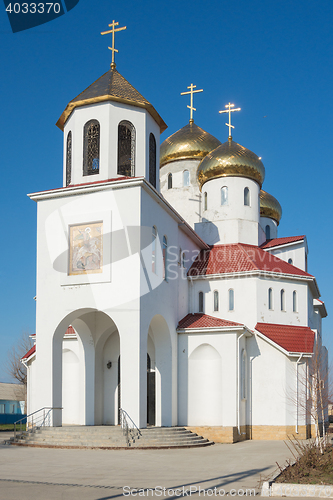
<point>272,59</point>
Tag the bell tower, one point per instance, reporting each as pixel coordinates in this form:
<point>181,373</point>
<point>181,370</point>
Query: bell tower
<point>110,131</point>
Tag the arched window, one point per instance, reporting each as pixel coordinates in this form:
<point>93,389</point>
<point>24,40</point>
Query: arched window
<point>294,301</point>
<point>126,149</point>
<point>246,197</point>
<point>165,257</point>
<point>69,159</point>
<point>224,195</point>
<point>170,181</point>
<point>290,261</point>
<point>231,300</point>
<point>186,178</point>
<point>205,201</point>
<point>243,375</point>
<point>152,160</point>
<point>270,299</point>
<point>216,300</point>
<point>268,232</point>
<point>91,138</point>
<point>201,302</point>
<point>153,249</point>
<point>283,300</point>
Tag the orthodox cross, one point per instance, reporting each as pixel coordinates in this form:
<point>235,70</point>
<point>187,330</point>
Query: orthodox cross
<point>191,92</point>
<point>113,30</point>
<point>229,110</point>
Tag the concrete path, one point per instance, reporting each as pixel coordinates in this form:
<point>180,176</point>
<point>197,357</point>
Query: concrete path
<point>36,473</point>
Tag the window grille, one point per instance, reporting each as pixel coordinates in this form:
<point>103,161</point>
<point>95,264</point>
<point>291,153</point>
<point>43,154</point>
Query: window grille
<point>91,142</point>
<point>126,149</point>
<point>152,160</point>
<point>69,159</point>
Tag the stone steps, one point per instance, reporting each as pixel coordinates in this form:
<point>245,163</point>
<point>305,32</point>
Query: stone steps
<point>111,437</point>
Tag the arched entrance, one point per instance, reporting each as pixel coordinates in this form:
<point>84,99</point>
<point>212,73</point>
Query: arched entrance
<point>85,370</point>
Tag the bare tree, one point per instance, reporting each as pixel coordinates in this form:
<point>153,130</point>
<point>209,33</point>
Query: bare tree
<point>14,367</point>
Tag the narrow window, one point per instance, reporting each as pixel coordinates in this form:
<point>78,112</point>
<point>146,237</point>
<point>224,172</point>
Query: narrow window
<point>205,201</point>
<point>69,159</point>
<point>170,181</point>
<point>165,257</point>
<point>152,160</point>
<point>283,300</point>
<point>270,299</point>
<point>201,302</point>
<point>224,195</point>
<point>290,261</point>
<point>183,260</point>
<point>268,232</point>
<point>126,149</point>
<point>294,301</point>
<point>153,249</point>
<point>186,178</point>
<point>246,197</point>
<point>216,300</point>
<point>180,257</point>
<point>231,300</point>
<point>91,139</point>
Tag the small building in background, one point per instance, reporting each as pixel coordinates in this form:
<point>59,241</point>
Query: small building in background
<point>12,402</point>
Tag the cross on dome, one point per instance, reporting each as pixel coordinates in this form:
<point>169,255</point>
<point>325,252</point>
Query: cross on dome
<point>191,92</point>
<point>113,30</point>
<point>229,110</point>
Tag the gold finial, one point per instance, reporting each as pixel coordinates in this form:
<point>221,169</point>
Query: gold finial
<point>229,110</point>
<point>191,91</point>
<point>113,30</point>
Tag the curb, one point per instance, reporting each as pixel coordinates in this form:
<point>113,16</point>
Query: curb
<point>290,490</point>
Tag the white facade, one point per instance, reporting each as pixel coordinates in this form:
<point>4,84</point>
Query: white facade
<point>129,311</point>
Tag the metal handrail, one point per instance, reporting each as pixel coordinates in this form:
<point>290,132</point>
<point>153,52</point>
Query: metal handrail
<point>131,432</point>
<point>39,422</point>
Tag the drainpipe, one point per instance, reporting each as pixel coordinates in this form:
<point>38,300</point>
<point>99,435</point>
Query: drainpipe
<point>238,384</point>
<point>297,363</point>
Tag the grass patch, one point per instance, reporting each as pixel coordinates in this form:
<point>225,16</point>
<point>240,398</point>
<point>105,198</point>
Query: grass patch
<point>310,467</point>
<point>10,427</point>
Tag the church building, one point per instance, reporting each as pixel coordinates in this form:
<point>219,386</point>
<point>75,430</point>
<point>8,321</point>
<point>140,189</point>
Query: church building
<point>163,287</point>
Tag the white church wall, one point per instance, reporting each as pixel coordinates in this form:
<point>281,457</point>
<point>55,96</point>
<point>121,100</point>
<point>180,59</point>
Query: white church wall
<point>70,381</point>
<point>276,315</point>
<point>268,383</point>
<point>185,199</point>
<point>245,298</point>
<point>297,252</point>
<point>234,221</point>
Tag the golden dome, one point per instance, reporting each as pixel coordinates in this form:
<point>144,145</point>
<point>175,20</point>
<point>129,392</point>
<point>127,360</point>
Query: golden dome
<point>189,143</point>
<point>231,159</point>
<point>269,206</point>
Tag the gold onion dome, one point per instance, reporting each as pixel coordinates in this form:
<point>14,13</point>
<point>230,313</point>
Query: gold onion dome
<point>231,160</point>
<point>189,143</point>
<point>269,206</point>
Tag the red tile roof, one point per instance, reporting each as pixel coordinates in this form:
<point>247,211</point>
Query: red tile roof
<point>275,242</point>
<point>298,339</point>
<point>199,320</point>
<point>30,352</point>
<point>239,257</point>
<point>70,331</point>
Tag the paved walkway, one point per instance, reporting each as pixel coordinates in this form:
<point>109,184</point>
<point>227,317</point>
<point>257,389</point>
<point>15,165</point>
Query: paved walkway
<point>47,474</point>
